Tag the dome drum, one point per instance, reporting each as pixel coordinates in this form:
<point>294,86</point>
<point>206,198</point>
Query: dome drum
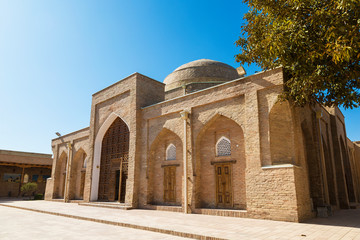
<point>200,71</point>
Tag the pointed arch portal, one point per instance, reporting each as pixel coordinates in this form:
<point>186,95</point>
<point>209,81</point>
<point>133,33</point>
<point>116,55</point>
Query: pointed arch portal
<point>110,166</point>
<point>114,162</point>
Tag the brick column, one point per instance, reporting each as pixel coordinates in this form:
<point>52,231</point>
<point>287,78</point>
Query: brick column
<point>68,173</point>
<point>185,116</point>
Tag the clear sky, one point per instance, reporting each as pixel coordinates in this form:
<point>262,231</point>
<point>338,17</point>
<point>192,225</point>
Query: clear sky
<point>55,54</point>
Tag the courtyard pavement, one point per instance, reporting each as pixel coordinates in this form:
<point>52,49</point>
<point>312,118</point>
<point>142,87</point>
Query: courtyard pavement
<point>106,223</point>
<point>20,224</point>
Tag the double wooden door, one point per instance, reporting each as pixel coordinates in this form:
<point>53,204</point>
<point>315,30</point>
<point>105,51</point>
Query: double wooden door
<point>223,185</point>
<point>170,184</point>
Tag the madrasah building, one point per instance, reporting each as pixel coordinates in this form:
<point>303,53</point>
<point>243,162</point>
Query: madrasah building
<point>208,140</point>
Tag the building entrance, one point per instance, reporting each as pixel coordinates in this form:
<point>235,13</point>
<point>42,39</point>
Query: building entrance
<point>169,183</point>
<point>114,162</point>
<point>223,185</point>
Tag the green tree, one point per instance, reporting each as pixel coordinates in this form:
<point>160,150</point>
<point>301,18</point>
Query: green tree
<point>317,42</point>
<point>29,188</point>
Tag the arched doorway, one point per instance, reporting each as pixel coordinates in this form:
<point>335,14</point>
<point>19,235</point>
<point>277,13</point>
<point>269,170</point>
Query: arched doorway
<point>347,170</point>
<point>60,176</point>
<point>114,162</point>
<point>165,169</point>
<point>77,178</point>
<point>220,165</point>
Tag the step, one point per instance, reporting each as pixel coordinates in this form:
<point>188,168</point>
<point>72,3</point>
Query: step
<point>222,212</point>
<point>354,205</point>
<point>164,208</point>
<point>115,205</point>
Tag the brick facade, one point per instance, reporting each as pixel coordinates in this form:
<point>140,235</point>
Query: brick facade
<point>286,163</point>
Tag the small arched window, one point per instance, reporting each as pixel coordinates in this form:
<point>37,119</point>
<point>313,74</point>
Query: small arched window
<point>84,163</point>
<point>85,160</point>
<point>223,147</point>
<point>171,152</point>
<point>26,178</point>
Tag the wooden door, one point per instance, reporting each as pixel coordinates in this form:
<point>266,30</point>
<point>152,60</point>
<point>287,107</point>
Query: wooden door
<point>82,184</point>
<point>63,182</point>
<point>223,185</point>
<point>170,184</point>
<point>117,184</point>
<point>123,178</point>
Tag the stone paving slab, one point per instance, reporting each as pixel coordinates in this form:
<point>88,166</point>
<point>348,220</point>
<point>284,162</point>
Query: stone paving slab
<point>20,224</point>
<point>344,225</point>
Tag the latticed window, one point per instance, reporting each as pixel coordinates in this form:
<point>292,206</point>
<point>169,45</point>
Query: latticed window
<point>223,147</point>
<point>171,152</point>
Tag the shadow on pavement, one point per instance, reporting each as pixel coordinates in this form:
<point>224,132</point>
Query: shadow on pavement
<point>13,199</point>
<point>345,218</point>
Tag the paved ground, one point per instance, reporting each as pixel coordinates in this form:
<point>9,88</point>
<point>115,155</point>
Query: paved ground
<point>22,224</point>
<point>344,224</point>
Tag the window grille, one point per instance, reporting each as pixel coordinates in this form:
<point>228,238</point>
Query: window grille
<point>223,147</point>
<point>171,152</point>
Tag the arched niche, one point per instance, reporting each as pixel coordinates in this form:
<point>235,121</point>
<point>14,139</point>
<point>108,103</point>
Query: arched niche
<point>282,145</point>
<point>315,174</point>
<point>77,178</point>
<point>60,175</point>
<point>214,172</point>
<point>348,173</point>
<point>165,175</point>
<point>330,177</point>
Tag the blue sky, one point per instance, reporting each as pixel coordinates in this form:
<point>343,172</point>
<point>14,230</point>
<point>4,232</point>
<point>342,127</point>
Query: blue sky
<point>55,54</point>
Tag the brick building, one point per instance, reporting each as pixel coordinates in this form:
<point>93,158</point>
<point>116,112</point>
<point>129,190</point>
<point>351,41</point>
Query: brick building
<point>17,168</point>
<point>208,140</point>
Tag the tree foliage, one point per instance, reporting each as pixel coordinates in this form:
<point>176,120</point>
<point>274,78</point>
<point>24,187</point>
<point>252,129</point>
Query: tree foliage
<point>317,42</point>
<point>29,188</point>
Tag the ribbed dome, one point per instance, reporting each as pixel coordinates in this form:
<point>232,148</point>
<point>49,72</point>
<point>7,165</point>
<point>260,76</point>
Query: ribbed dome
<point>203,70</point>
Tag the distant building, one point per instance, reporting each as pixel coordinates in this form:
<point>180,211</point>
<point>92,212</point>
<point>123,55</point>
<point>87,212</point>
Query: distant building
<point>209,140</point>
<point>17,168</point>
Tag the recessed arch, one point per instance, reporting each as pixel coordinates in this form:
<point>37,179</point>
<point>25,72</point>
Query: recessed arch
<point>77,176</point>
<point>159,169</point>
<point>282,144</point>
<point>97,153</point>
<point>213,117</point>
<point>208,165</point>
<point>347,171</point>
<point>60,175</point>
<point>330,178</point>
<point>312,157</point>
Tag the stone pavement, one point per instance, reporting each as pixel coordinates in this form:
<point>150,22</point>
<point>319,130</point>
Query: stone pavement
<point>20,224</point>
<point>345,224</point>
